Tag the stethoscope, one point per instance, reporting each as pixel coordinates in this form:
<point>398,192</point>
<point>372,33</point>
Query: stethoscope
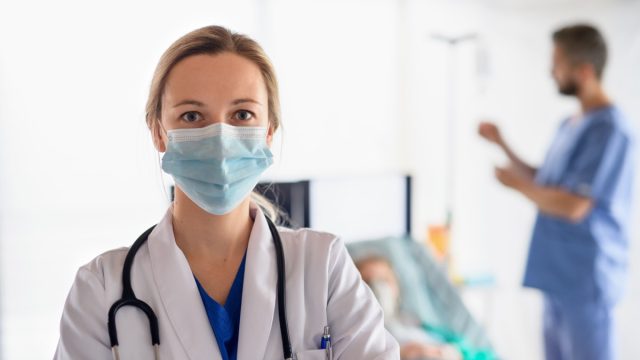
<point>129,298</point>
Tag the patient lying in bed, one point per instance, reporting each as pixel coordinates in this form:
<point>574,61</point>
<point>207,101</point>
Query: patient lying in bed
<point>416,342</point>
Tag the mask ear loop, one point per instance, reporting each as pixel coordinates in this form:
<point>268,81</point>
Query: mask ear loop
<point>166,133</point>
<point>167,196</point>
<point>273,140</point>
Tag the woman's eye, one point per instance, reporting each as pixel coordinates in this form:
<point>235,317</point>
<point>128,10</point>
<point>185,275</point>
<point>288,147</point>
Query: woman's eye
<point>191,116</point>
<point>243,115</point>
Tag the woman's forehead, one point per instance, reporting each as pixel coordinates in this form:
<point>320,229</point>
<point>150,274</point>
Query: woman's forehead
<point>224,77</point>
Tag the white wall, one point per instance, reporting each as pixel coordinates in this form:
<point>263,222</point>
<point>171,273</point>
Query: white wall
<point>363,90</point>
<point>339,85</point>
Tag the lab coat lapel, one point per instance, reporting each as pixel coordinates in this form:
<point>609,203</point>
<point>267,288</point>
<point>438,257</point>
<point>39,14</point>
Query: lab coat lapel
<point>179,294</point>
<point>259,291</point>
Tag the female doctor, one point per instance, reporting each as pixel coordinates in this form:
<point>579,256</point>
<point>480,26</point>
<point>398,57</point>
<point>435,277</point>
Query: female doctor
<point>209,271</point>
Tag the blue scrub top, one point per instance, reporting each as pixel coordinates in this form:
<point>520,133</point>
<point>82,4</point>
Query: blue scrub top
<point>225,320</point>
<point>586,261</point>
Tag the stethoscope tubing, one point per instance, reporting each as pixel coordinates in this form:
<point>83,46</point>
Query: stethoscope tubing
<point>129,298</point>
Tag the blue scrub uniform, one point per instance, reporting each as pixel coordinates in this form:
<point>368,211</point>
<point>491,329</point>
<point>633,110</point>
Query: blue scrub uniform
<point>225,320</point>
<point>581,267</point>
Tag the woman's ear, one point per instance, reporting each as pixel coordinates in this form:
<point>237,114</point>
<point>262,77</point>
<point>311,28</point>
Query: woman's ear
<point>270,132</point>
<point>158,136</point>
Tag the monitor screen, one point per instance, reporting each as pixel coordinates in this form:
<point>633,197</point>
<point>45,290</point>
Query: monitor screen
<point>361,208</point>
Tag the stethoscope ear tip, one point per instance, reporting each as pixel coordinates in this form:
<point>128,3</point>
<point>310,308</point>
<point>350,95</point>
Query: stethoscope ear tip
<point>115,352</point>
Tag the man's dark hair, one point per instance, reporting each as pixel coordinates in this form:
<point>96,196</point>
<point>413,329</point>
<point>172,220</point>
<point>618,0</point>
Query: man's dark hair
<point>583,44</point>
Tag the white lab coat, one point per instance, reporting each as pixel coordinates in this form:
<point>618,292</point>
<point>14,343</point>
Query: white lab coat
<point>323,287</point>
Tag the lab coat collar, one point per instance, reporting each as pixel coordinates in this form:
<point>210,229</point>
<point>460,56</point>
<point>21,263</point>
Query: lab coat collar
<point>181,300</point>
<point>179,293</point>
<point>259,290</point>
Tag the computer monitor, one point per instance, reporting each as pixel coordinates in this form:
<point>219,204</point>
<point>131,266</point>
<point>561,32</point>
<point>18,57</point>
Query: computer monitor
<point>355,208</point>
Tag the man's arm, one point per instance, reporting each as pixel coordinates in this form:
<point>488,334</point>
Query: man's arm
<point>550,200</point>
<point>491,133</point>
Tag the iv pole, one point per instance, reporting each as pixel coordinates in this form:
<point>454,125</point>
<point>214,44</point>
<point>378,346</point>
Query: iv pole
<point>452,43</point>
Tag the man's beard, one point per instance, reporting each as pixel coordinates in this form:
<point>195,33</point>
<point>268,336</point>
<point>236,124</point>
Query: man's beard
<point>570,88</point>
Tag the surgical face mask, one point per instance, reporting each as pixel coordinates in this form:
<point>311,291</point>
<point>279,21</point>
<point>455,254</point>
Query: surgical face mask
<point>217,166</point>
<point>384,293</point>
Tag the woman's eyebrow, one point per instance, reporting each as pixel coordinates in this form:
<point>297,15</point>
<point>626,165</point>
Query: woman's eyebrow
<point>189,102</point>
<point>201,104</point>
<point>245,100</point>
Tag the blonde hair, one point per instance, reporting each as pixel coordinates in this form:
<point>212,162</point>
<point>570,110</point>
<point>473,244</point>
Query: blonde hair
<point>213,40</point>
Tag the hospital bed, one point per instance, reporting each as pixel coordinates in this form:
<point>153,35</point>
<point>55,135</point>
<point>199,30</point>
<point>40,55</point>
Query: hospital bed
<point>426,291</point>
